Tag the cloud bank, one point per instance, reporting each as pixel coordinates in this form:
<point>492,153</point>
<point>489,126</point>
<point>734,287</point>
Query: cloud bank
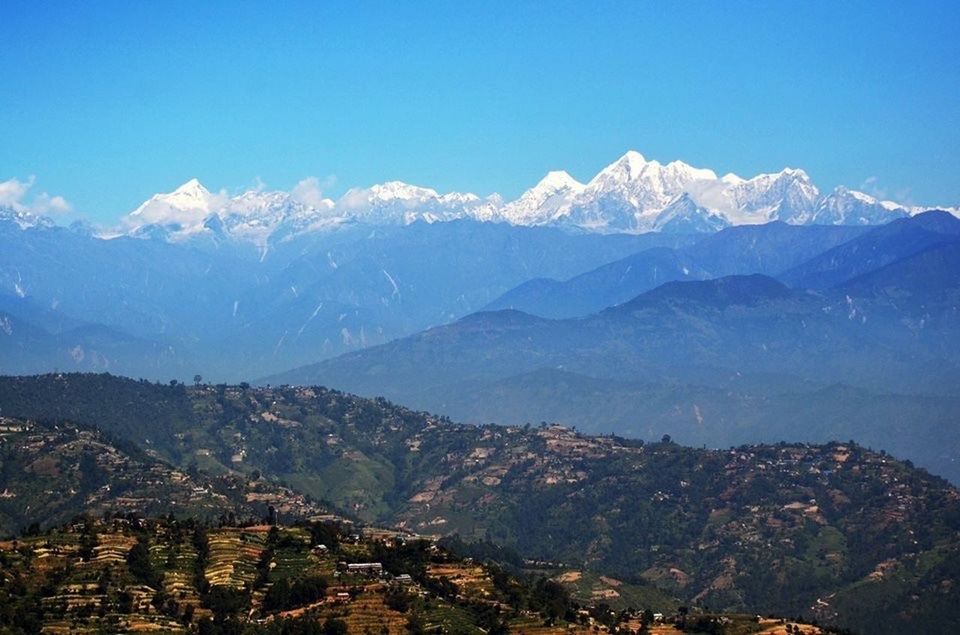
<point>15,194</point>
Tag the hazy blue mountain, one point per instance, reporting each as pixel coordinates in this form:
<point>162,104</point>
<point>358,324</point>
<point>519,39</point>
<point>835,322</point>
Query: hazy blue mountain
<point>605,286</point>
<point>749,350</point>
<point>143,287</point>
<point>28,348</point>
<point>769,249</point>
<point>876,248</point>
<point>921,281</point>
<point>739,324</point>
<point>226,310</point>
<point>747,409</point>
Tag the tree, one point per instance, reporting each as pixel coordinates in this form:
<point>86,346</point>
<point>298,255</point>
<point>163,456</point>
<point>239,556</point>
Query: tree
<point>334,626</point>
<point>415,625</point>
<point>138,562</point>
<point>197,379</point>
<point>397,599</point>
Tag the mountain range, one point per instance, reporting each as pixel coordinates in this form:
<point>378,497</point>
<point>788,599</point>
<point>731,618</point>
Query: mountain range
<point>757,331</point>
<point>164,309</point>
<point>631,195</point>
<point>728,359</point>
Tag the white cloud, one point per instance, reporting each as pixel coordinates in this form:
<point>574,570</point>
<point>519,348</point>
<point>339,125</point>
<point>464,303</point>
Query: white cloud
<point>46,204</point>
<point>13,194</point>
<point>257,185</point>
<point>871,186</point>
<point>309,191</point>
<point>13,191</point>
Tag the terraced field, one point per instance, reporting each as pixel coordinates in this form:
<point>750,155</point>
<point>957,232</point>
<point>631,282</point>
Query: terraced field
<point>234,554</point>
<point>472,580</point>
<point>368,614</point>
<point>142,576</point>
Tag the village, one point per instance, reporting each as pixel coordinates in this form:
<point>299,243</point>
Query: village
<point>88,580</point>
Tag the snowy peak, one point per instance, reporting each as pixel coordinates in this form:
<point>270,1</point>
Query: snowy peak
<point>632,166</point>
<point>191,188</point>
<point>558,180</point>
<point>396,202</point>
<point>788,195</point>
<point>684,215</point>
<point>191,211</point>
<point>190,195</point>
<point>186,206</point>
<point>22,218</point>
<point>633,194</point>
<point>545,202</point>
<point>849,207</point>
<point>393,190</point>
<point>626,168</point>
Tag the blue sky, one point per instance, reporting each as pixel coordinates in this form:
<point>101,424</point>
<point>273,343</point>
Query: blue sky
<point>107,103</point>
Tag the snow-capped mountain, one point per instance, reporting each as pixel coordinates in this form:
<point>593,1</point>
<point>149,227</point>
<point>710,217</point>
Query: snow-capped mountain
<point>186,206</point>
<point>22,218</point>
<point>847,207</point>
<point>631,195</point>
<point>191,211</point>
<point>684,216</point>
<point>544,203</point>
<point>397,202</point>
<point>787,196</point>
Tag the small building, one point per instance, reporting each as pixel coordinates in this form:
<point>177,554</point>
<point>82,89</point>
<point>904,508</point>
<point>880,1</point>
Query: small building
<point>365,568</point>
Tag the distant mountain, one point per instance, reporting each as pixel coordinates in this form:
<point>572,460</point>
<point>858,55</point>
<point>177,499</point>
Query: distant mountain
<point>27,348</point>
<point>768,249</point>
<point>22,219</point>
<point>849,207</point>
<point>747,334</point>
<point>191,213</point>
<point>227,310</point>
<point>743,324</point>
<point>876,248</point>
<point>235,287</point>
<point>605,286</point>
<point>722,293</point>
<point>929,277</point>
<point>632,195</point>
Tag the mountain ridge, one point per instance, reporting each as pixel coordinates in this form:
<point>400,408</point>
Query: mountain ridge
<point>632,194</point>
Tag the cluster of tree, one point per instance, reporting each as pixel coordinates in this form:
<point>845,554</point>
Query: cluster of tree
<point>286,594</point>
<point>140,566</point>
<point>481,550</point>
